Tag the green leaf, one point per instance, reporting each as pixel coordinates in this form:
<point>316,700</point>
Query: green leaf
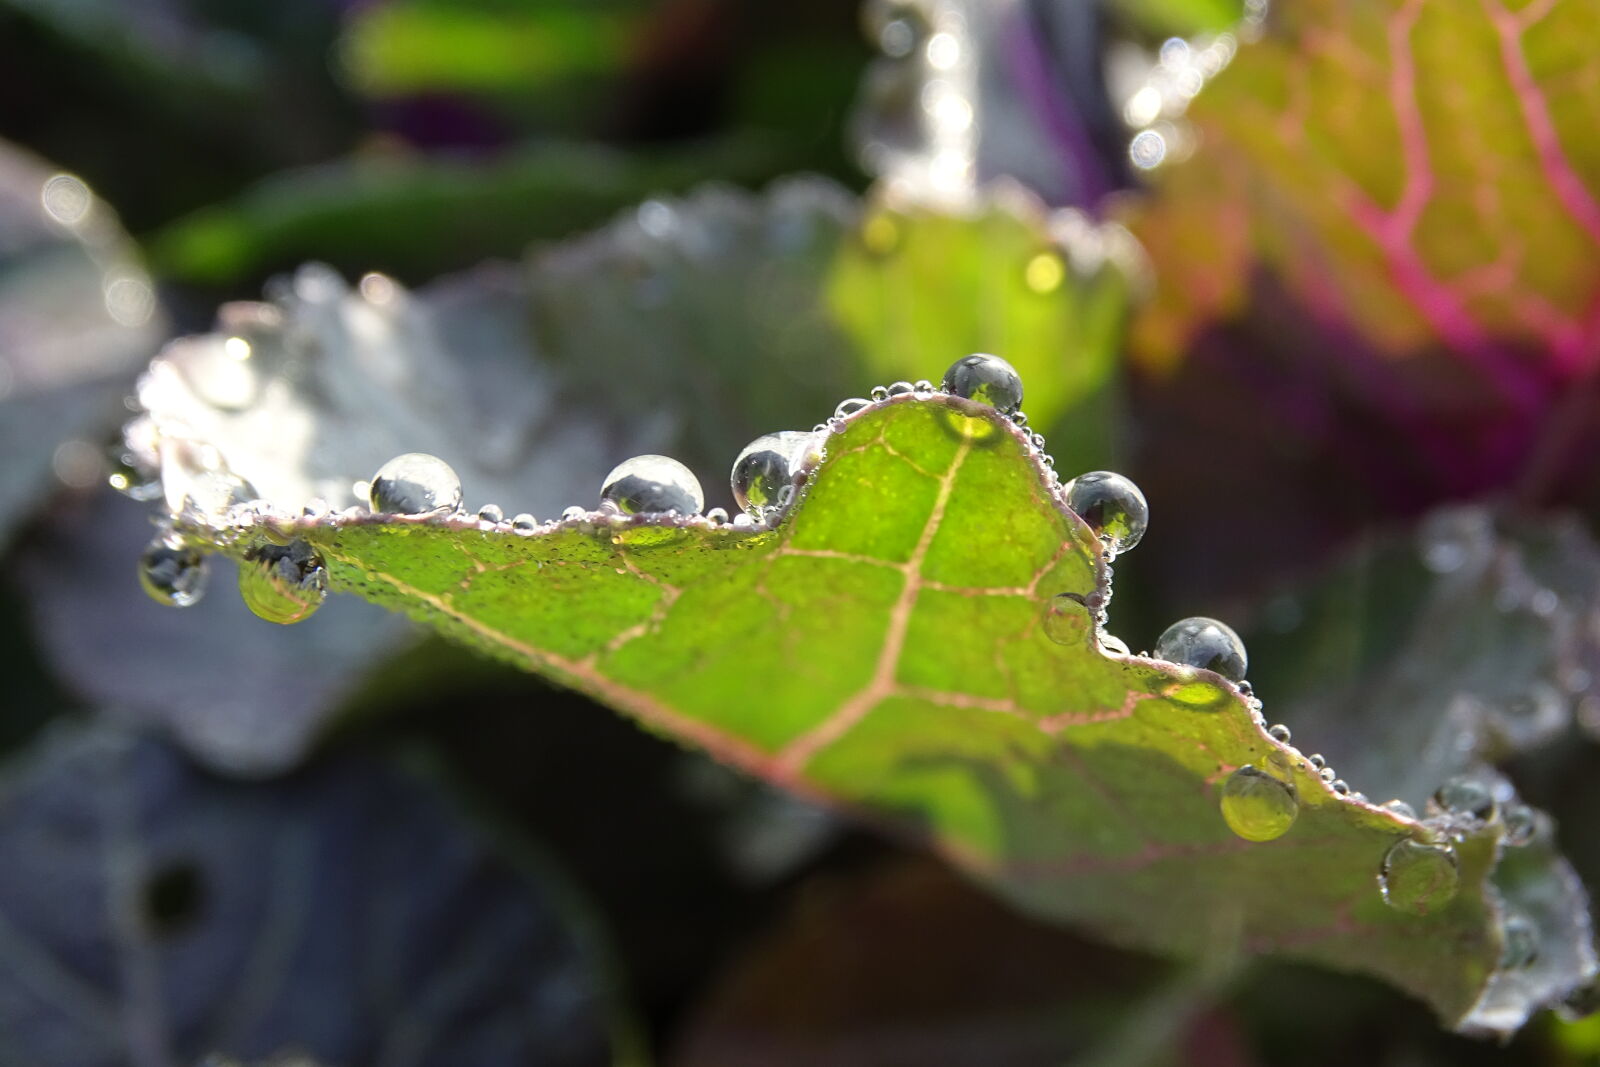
<point>883,649</point>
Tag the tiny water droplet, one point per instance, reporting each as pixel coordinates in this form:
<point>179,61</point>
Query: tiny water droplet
<point>766,467</point>
<point>1113,507</point>
<point>1205,643</point>
<point>652,485</point>
<point>1340,786</point>
<point>1115,645</point>
<point>1463,795</point>
<point>283,583</point>
<point>173,572</point>
<point>1019,419</point>
<point>1279,733</point>
<point>743,521</point>
<point>491,513</point>
<point>986,379</point>
<point>1519,941</point>
<point>1327,774</point>
<point>879,392</point>
<point>1520,824</point>
<point>1067,619</point>
<point>717,516</point>
<point>922,387</point>
<point>573,513</point>
<point>1257,806</point>
<point>846,408</point>
<point>1418,878</point>
<point>1317,760</point>
<point>1401,808</point>
<point>414,484</point>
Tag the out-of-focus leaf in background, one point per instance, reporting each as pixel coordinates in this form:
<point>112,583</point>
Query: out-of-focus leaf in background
<point>155,915</point>
<point>78,317</point>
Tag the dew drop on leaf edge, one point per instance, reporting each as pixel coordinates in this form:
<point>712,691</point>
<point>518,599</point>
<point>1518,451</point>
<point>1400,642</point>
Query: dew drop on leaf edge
<point>1464,795</point>
<point>1112,505</point>
<point>1205,643</point>
<point>652,485</point>
<point>173,572</point>
<point>414,484</point>
<point>765,468</point>
<point>1067,619</point>
<point>1258,806</point>
<point>986,379</point>
<point>283,584</point>
<point>1417,877</point>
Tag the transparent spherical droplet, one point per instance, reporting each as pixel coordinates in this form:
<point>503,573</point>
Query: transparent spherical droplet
<point>1519,941</point>
<point>1464,795</point>
<point>1067,619</point>
<point>414,484</point>
<point>1257,806</point>
<point>173,572</point>
<point>1115,645</point>
<point>846,408</point>
<point>1204,643</point>
<point>1279,733</point>
<point>899,388</point>
<point>986,379</point>
<point>491,513</point>
<point>1317,760</point>
<point>1340,786</point>
<point>879,392</point>
<point>524,524</point>
<point>652,485</point>
<point>1401,808</point>
<point>1112,505</point>
<point>283,583</point>
<point>1520,822</point>
<point>766,467</point>
<point>1327,774</point>
<point>1418,878</point>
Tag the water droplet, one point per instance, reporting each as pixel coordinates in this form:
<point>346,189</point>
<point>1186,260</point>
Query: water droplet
<point>1257,806</point>
<point>1463,795</point>
<point>1401,808</point>
<point>1327,774</point>
<point>1317,760</point>
<point>766,467</point>
<point>173,572</point>
<point>573,514</point>
<point>1115,645</point>
<point>900,388</point>
<point>1340,786</point>
<point>524,524</point>
<point>652,485</point>
<point>1067,619</point>
<point>1112,505</point>
<point>1204,643</point>
<point>879,392</point>
<point>491,513</point>
<point>986,379</point>
<point>1519,941</point>
<point>717,516</point>
<point>1418,878</point>
<point>849,407</point>
<point>1520,822</point>
<point>414,484</point>
<point>283,583</point>
<point>1279,733</point>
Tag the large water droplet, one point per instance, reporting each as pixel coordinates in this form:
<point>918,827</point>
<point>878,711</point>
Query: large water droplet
<point>652,485</point>
<point>986,379</point>
<point>1067,619</point>
<point>1257,806</point>
<point>173,572</point>
<point>1112,505</point>
<point>1418,878</point>
<point>766,467</point>
<point>414,484</point>
<point>283,583</point>
<point>1205,643</point>
<point>1519,941</point>
<point>1463,795</point>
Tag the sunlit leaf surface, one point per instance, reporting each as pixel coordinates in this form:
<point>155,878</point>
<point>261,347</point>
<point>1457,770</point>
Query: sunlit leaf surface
<point>884,648</point>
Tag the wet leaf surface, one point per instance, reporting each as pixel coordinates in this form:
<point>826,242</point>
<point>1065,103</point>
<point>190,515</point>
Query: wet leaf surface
<point>884,649</point>
<point>156,915</point>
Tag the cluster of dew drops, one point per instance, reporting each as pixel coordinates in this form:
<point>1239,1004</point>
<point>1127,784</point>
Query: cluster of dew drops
<point>285,583</point>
